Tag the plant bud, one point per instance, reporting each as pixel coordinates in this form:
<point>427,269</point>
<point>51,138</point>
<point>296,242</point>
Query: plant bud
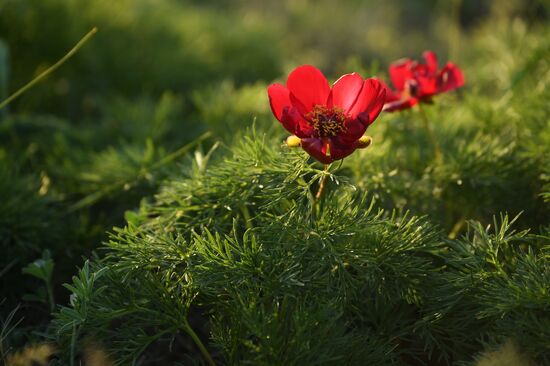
<point>293,141</point>
<point>364,142</point>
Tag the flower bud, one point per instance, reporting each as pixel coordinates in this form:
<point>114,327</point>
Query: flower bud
<point>364,142</point>
<point>293,141</point>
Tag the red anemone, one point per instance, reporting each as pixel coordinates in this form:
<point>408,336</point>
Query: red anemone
<point>416,82</point>
<point>328,122</point>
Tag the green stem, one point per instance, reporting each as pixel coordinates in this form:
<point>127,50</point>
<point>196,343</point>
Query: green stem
<point>320,191</point>
<point>246,216</point>
<point>73,345</point>
<point>7,267</point>
<point>457,227</point>
<point>93,198</point>
<point>198,342</point>
<point>436,148</point>
<point>454,30</point>
<point>50,296</point>
<point>322,183</point>
<point>50,69</point>
<point>181,151</point>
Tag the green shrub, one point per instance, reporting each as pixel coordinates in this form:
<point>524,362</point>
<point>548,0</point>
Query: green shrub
<point>278,280</point>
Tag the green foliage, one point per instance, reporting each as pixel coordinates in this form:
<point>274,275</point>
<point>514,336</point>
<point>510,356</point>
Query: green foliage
<point>269,271</point>
<point>8,325</point>
<point>490,266</point>
<point>29,222</point>
<point>42,269</point>
<point>22,200</point>
<point>188,264</point>
<point>494,141</point>
<point>224,115</point>
<point>193,45</point>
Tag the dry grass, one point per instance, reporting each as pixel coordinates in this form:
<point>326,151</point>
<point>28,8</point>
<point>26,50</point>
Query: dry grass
<point>94,355</point>
<point>507,355</point>
<point>33,355</point>
<point>40,355</point>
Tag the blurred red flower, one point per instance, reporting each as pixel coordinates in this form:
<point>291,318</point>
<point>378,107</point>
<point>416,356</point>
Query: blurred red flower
<point>417,82</point>
<point>328,122</point>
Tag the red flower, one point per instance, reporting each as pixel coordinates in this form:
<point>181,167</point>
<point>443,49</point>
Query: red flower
<point>416,82</point>
<point>328,122</point>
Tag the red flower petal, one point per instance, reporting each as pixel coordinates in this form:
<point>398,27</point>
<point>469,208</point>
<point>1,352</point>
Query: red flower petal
<point>340,149</point>
<point>426,86</point>
<point>308,87</point>
<point>290,119</point>
<point>400,71</point>
<point>390,94</point>
<point>294,123</point>
<point>399,105</point>
<point>450,78</point>
<point>354,130</point>
<point>345,91</point>
<point>373,101</point>
<point>371,95</point>
<point>304,129</point>
<point>418,81</point>
<point>316,148</point>
<point>431,61</point>
<point>278,99</point>
<point>377,103</point>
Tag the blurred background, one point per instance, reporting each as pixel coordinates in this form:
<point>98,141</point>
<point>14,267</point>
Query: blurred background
<point>160,73</point>
<point>145,49</point>
<point>97,137</point>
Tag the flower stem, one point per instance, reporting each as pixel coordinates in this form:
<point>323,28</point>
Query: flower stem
<point>51,299</point>
<point>457,228</point>
<point>198,342</point>
<point>98,195</point>
<point>437,149</point>
<point>320,191</point>
<point>322,184</point>
<point>50,69</point>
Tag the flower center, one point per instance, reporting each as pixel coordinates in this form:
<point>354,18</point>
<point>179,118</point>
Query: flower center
<point>411,88</point>
<point>327,122</point>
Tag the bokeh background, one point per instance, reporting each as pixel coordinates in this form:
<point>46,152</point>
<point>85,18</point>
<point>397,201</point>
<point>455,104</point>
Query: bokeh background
<point>99,136</point>
<point>147,48</point>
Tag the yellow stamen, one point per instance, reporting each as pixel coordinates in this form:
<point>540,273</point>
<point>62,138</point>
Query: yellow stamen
<point>327,122</point>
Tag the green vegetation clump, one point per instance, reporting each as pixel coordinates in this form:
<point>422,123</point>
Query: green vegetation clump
<point>277,279</point>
